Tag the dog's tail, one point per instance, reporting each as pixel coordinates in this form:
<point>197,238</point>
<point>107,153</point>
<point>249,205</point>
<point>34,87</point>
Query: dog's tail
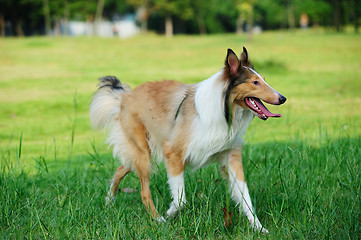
<point>105,105</point>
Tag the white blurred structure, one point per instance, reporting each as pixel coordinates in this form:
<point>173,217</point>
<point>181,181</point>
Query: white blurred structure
<point>122,29</point>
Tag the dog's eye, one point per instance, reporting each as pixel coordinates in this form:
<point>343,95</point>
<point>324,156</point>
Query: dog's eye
<point>256,82</point>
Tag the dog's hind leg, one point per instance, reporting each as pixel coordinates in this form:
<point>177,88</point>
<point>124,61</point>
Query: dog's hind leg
<point>143,170</point>
<point>239,189</point>
<point>120,173</point>
<point>140,153</point>
<point>175,172</point>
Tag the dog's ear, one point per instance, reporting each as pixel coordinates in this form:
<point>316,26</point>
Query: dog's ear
<point>231,63</point>
<point>245,59</point>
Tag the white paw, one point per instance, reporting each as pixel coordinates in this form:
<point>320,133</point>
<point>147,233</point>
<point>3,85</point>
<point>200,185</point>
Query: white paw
<point>264,231</point>
<point>109,199</point>
<point>172,210</point>
<point>160,219</point>
<point>258,226</point>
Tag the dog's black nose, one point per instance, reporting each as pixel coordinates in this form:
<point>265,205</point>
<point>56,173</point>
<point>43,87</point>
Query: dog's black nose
<point>282,99</point>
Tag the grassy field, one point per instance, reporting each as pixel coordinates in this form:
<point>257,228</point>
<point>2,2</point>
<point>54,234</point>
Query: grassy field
<point>303,170</point>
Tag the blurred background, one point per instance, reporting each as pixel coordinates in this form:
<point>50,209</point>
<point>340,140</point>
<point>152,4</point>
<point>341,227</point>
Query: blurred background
<point>53,51</point>
<point>303,169</point>
<point>126,18</point>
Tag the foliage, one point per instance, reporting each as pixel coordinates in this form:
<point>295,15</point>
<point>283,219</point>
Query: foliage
<point>319,11</point>
<point>179,8</point>
<point>214,15</point>
<point>270,13</point>
<point>220,16</point>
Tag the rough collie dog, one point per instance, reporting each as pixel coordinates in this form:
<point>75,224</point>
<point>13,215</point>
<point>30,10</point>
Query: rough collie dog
<point>184,125</point>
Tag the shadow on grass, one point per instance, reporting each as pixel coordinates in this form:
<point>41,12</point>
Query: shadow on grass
<point>299,190</point>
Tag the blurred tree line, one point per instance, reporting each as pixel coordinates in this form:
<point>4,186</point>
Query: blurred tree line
<point>38,17</point>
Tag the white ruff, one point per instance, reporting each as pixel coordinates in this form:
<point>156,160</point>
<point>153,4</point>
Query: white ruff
<point>210,132</point>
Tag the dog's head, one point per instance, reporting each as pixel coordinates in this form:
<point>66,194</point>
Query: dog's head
<point>246,87</point>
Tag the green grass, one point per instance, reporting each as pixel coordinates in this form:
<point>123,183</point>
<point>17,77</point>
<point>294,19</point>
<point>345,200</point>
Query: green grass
<point>303,170</point>
<point>300,191</point>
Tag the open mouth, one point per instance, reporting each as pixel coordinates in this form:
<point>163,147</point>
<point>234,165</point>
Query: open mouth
<point>259,108</point>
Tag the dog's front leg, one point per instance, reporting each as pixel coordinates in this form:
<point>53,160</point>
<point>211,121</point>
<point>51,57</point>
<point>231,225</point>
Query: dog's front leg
<point>176,184</point>
<point>175,172</point>
<point>239,189</point>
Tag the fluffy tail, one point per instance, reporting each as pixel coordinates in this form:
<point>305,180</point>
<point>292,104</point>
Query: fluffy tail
<point>105,105</point>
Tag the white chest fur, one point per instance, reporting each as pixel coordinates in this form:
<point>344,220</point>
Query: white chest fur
<point>210,131</point>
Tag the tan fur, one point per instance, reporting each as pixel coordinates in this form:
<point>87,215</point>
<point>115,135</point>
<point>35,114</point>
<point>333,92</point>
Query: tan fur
<point>147,110</point>
<point>174,160</point>
<point>248,89</point>
<point>150,109</point>
<point>158,116</point>
<point>120,173</point>
<point>152,103</point>
<point>235,162</point>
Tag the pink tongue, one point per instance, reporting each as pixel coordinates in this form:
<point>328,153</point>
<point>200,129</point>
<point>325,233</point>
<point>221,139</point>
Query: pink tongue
<point>263,108</point>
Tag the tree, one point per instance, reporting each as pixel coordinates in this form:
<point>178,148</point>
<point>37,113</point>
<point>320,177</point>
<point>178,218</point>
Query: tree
<point>356,6</point>
<point>352,10</point>
<point>290,14</point>
<point>219,15</point>
<point>5,5</point>
<point>318,11</point>
<point>143,12</point>
<point>98,15</point>
<point>250,21</point>
<point>337,15</point>
<point>46,10</point>
<point>66,16</point>
<point>170,8</point>
<point>200,9</point>
<point>2,25</point>
<point>270,14</point>
<point>23,13</point>
<point>245,13</point>
<point>243,9</point>
<point>29,17</point>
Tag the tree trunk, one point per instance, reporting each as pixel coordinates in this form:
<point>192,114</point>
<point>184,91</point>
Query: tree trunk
<point>144,25</point>
<point>47,17</point>
<point>356,14</point>
<point>291,15</point>
<point>144,21</point>
<point>2,25</point>
<point>56,31</point>
<point>337,15</point>
<point>239,27</point>
<point>168,26</point>
<point>66,17</point>
<point>19,29</point>
<point>250,22</point>
<point>201,24</point>
<point>356,24</point>
<point>142,16</point>
<point>98,16</point>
